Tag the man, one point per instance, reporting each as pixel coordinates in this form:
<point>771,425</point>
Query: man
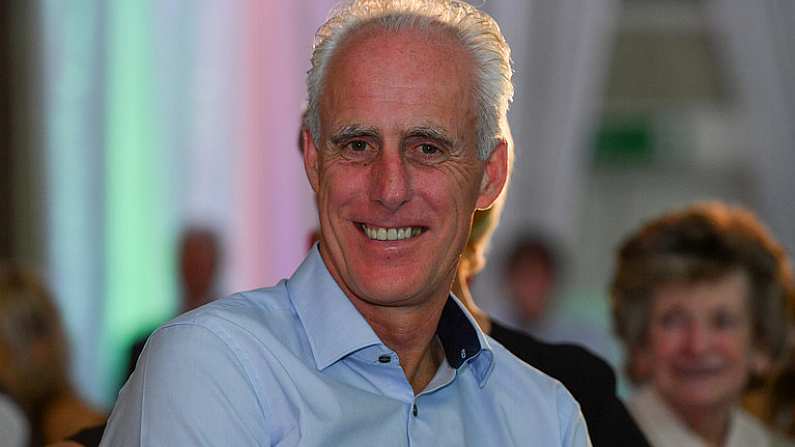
<point>363,345</point>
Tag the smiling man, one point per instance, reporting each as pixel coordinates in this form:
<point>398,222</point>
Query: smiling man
<point>364,345</point>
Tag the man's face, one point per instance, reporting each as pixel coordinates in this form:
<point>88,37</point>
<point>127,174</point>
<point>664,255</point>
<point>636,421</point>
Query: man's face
<point>397,175</point>
<point>531,281</point>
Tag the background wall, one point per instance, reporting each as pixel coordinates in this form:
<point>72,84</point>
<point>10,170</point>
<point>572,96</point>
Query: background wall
<point>128,120</point>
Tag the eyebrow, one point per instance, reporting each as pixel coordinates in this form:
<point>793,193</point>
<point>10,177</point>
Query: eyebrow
<point>430,133</point>
<point>351,131</point>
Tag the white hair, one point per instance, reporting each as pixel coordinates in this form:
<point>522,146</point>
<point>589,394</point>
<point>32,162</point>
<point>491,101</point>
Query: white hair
<point>476,31</point>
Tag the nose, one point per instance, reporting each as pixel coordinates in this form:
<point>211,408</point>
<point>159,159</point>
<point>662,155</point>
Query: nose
<point>698,338</point>
<point>391,184</point>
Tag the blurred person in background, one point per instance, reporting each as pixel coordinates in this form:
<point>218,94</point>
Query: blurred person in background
<point>199,257</point>
<point>589,378</point>
<point>34,359</point>
<point>701,301</point>
<point>531,274</point>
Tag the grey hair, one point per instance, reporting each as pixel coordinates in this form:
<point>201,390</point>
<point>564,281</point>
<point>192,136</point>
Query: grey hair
<point>477,32</point>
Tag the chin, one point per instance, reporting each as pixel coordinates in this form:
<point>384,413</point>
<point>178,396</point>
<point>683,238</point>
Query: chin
<point>706,397</point>
<point>387,289</point>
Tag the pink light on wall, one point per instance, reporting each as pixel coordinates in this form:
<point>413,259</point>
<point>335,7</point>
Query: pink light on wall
<point>268,237</point>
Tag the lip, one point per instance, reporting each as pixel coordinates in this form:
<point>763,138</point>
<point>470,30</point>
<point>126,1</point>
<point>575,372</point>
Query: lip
<point>699,371</point>
<point>390,223</point>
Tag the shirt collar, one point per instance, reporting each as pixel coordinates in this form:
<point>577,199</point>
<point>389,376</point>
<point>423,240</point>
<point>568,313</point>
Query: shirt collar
<point>335,328</point>
<point>463,340</point>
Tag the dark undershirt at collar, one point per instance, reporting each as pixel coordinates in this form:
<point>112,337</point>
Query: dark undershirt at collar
<point>459,339</point>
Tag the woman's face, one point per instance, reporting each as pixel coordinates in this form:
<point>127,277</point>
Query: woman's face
<point>699,351</point>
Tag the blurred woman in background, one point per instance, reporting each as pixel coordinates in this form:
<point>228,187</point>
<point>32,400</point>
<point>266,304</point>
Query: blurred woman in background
<point>34,359</point>
<point>701,301</point>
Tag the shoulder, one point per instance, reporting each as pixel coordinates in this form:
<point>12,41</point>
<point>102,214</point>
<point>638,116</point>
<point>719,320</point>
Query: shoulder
<point>216,356</point>
<point>246,329</point>
<point>240,309</point>
<point>589,379</point>
<point>512,373</point>
<point>524,390</point>
<point>747,430</point>
<point>576,367</point>
<point>258,316</point>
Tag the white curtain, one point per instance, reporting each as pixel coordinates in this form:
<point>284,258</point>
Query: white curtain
<point>561,50</point>
<point>759,48</point>
<point>158,114</point>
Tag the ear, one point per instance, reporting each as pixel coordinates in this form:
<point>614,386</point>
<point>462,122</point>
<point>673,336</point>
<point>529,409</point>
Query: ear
<point>495,175</point>
<point>311,159</point>
<point>639,364</point>
<point>761,363</point>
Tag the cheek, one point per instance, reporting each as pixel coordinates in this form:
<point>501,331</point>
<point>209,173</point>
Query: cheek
<point>736,347</point>
<point>458,186</point>
<point>338,186</point>
<point>664,343</point>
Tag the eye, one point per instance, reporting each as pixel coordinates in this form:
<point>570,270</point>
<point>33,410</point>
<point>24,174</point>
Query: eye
<point>428,149</point>
<point>725,320</point>
<point>358,145</point>
<point>427,153</point>
<point>672,320</point>
<point>358,150</point>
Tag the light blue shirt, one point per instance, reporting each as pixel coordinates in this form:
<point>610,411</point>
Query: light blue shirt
<point>297,365</point>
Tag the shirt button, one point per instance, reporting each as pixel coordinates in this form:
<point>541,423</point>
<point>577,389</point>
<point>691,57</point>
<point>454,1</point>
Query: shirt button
<point>463,353</point>
<point>385,358</point>
<point>414,410</point>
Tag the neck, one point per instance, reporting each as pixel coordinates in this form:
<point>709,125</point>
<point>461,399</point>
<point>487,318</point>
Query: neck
<point>411,333</point>
<point>461,290</point>
<point>711,425</point>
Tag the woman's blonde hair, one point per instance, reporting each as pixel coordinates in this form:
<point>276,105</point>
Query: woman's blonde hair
<point>33,345</point>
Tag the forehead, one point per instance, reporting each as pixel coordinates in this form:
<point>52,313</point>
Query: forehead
<point>727,292</point>
<point>421,77</point>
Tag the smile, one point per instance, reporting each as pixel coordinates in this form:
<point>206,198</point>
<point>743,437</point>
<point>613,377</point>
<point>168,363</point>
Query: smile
<point>699,372</point>
<point>390,234</point>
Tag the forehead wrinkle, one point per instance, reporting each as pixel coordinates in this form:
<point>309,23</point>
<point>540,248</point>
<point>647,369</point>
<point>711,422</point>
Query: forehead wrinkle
<point>354,130</point>
<point>361,46</point>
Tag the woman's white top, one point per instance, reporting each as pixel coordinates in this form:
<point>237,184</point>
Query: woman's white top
<point>13,426</point>
<point>664,429</point>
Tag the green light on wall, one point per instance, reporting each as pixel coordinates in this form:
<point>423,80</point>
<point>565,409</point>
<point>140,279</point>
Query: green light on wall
<point>138,215</point>
<point>624,140</point>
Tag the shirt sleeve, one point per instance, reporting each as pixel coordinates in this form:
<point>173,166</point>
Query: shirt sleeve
<point>574,431</point>
<point>189,388</point>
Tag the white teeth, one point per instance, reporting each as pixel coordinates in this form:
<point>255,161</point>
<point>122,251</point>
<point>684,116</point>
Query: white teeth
<point>391,234</point>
